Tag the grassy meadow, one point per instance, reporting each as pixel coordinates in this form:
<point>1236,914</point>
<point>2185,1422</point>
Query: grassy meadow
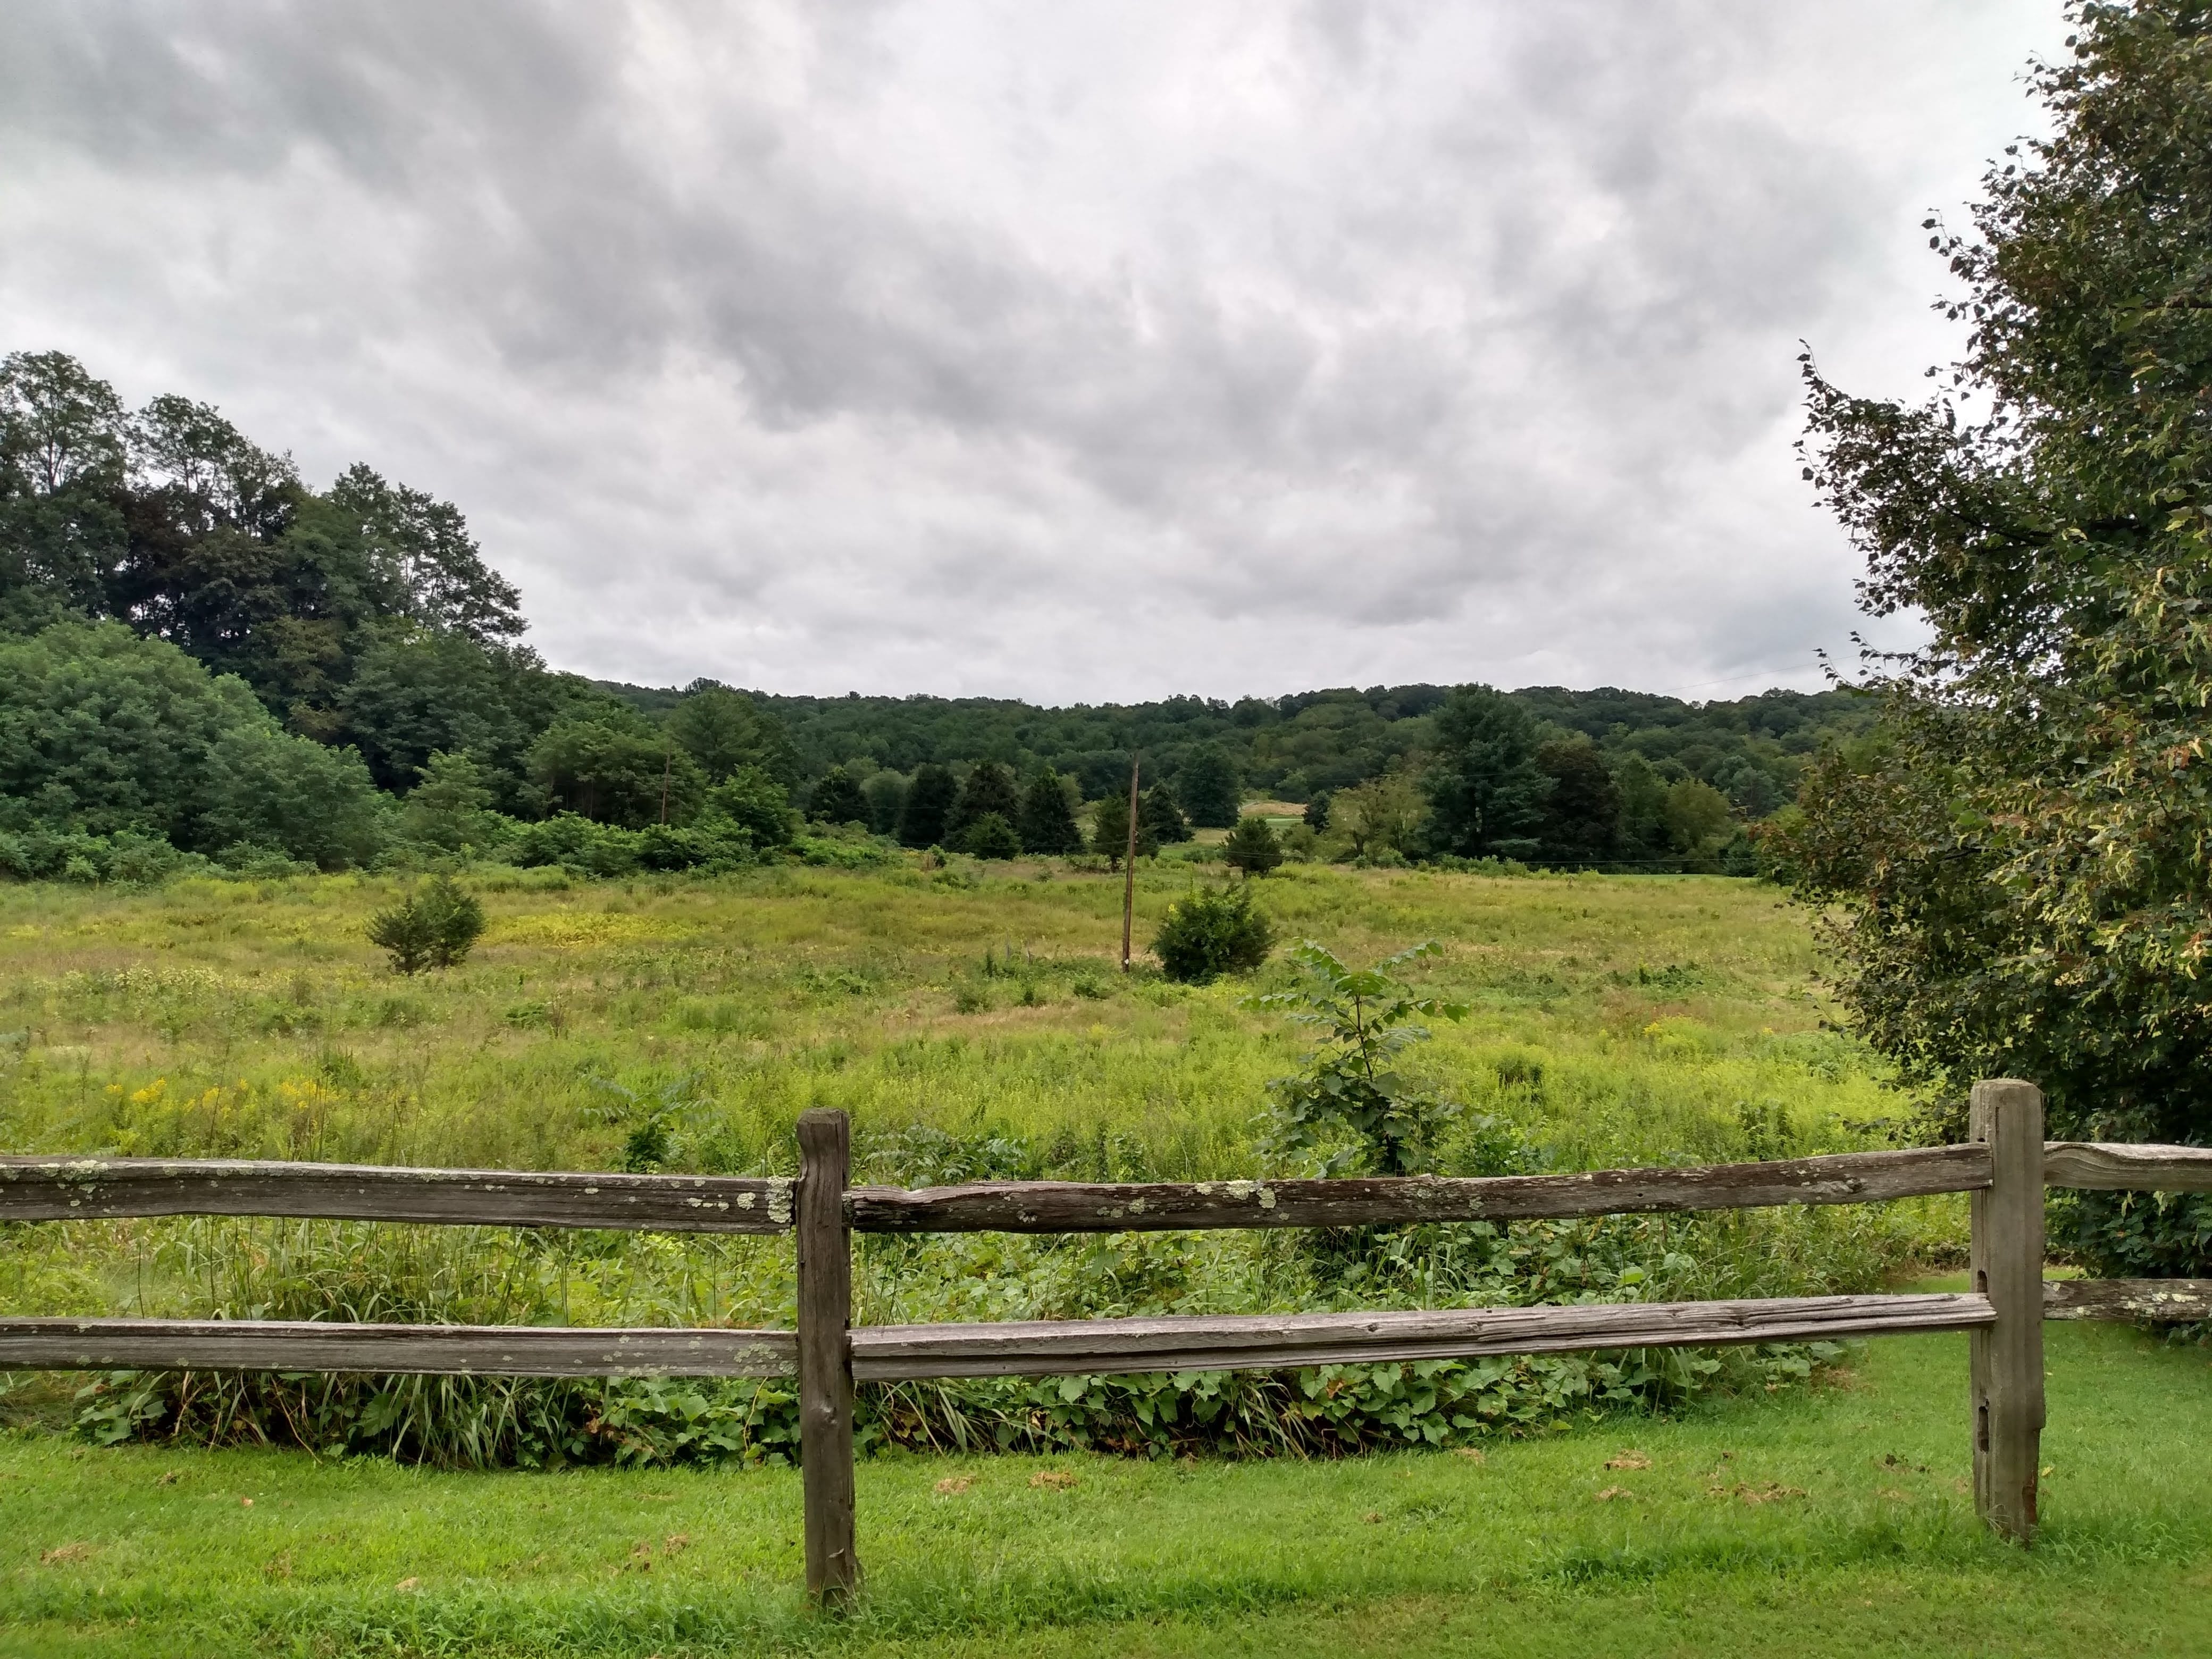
<point>1616,1019</point>
<point>974,1021</point>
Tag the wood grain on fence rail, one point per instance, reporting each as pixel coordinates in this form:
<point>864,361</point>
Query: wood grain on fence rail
<point>1043,1206</point>
<point>244,1345</point>
<point>1274,1341</point>
<point>2175,1301</point>
<point>77,1188</point>
<point>2114,1166</point>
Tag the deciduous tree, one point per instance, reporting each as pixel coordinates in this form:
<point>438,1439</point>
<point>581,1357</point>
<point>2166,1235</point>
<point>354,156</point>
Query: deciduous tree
<point>1207,787</point>
<point>1486,791</point>
<point>2020,862</point>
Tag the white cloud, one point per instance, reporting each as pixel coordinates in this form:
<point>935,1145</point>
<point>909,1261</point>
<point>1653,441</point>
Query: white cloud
<point>1078,352</point>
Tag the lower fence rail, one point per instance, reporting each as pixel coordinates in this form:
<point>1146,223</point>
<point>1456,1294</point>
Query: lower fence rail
<point>1076,1347</point>
<point>247,1345</point>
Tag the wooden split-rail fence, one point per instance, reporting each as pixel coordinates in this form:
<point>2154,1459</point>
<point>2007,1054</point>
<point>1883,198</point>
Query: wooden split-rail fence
<point>2004,1167</point>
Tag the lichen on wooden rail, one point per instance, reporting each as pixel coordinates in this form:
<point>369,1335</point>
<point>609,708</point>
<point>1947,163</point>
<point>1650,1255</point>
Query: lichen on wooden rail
<point>1278,1341</point>
<point>76,1188</point>
<point>1039,1206</point>
<point>2168,1301</point>
<point>242,1345</point>
<point>2121,1166</point>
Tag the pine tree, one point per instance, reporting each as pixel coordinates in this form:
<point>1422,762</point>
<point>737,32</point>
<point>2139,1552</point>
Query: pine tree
<point>989,788</point>
<point>992,837</point>
<point>1582,811</point>
<point>1162,815</point>
<point>885,793</point>
<point>1109,832</point>
<point>929,800</point>
<point>1047,823</point>
<point>1209,787</point>
<point>837,798</point>
<point>1252,847</point>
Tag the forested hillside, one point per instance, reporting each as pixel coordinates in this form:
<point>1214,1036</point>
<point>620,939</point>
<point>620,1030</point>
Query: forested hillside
<point>203,655</point>
<point>1292,747</point>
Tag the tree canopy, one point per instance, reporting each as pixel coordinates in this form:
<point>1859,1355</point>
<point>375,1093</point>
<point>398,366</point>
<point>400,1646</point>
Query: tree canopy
<point>1485,789</point>
<point>2022,853</point>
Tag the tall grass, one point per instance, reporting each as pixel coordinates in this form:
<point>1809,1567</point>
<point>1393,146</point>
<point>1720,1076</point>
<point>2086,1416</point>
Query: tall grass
<point>974,1026</point>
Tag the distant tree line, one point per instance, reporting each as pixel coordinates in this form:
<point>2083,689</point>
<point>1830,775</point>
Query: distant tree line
<point>200,651</point>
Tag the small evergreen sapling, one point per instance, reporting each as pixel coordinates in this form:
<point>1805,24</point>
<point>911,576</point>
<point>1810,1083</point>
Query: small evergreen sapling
<point>1210,932</point>
<point>1252,847</point>
<point>992,837</point>
<point>1109,832</point>
<point>435,927</point>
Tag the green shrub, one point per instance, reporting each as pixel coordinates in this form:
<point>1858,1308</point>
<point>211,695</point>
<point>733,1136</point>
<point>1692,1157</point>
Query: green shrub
<point>1210,932</point>
<point>435,927</point>
<point>991,836</point>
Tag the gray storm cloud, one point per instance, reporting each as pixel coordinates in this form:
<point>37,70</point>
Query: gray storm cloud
<point>1074,352</point>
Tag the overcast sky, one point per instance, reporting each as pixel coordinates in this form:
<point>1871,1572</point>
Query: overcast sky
<point>1075,351</point>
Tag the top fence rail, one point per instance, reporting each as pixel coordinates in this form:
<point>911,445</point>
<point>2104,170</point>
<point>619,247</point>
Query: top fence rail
<point>81,1189</point>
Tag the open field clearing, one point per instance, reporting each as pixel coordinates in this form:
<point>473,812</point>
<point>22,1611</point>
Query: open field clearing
<point>1616,1019</point>
<point>1805,1520</point>
<point>977,1024</point>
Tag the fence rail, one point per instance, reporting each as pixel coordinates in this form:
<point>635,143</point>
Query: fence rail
<point>1068,1207</point>
<point>83,1188</point>
<point>2004,1168</point>
<point>251,1345</point>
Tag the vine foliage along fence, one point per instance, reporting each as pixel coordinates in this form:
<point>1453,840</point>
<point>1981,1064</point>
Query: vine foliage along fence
<point>2005,1168</point>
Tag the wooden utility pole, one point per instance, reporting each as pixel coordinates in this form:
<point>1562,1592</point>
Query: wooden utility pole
<point>825,1354</point>
<point>667,762</point>
<point>1129,868</point>
<point>2005,1359</point>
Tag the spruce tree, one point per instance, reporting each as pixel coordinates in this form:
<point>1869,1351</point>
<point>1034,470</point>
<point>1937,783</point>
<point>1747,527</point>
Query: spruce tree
<point>1581,813</point>
<point>989,788</point>
<point>1162,815</point>
<point>885,793</point>
<point>837,798</point>
<point>929,800</point>
<point>1047,823</point>
<point>1252,847</point>
<point>992,837</point>
<point>1109,832</point>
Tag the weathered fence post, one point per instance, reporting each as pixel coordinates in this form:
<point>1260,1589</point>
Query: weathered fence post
<point>2007,1357</point>
<point>825,1354</point>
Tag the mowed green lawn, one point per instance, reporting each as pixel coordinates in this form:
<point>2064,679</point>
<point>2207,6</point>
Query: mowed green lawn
<point>1825,1522</point>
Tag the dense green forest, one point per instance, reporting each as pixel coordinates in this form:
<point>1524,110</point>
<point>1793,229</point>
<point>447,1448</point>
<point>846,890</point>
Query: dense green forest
<point>1293,747</point>
<point>202,656</point>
